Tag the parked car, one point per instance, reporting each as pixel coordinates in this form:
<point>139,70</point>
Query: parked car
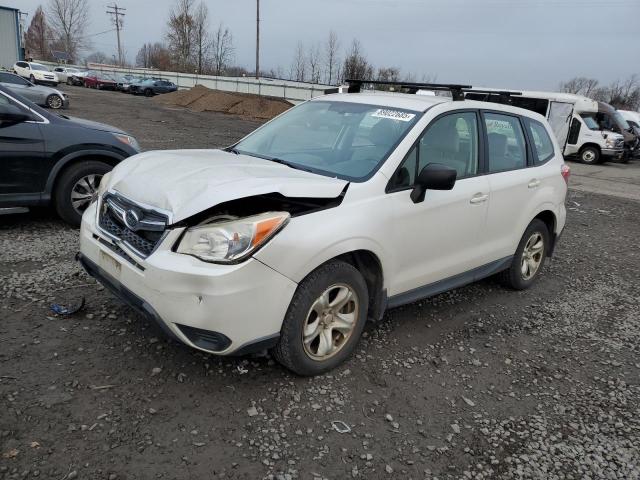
<point>100,81</point>
<point>152,87</point>
<point>47,158</point>
<point>125,87</point>
<point>77,78</point>
<point>633,119</point>
<point>36,73</point>
<point>38,94</point>
<point>65,74</point>
<point>321,219</point>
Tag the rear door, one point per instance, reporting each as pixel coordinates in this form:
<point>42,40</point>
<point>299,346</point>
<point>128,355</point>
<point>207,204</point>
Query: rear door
<point>511,182</point>
<point>560,114</point>
<point>20,86</point>
<point>21,155</point>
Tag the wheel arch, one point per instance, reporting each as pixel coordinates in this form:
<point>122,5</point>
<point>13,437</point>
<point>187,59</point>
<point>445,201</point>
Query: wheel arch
<point>369,265</point>
<point>548,217</point>
<point>590,144</point>
<point>110,158</point>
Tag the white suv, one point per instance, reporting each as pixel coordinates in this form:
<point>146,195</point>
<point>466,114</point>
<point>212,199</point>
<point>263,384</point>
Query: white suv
<point>36,72</point>
<point>323,218</point>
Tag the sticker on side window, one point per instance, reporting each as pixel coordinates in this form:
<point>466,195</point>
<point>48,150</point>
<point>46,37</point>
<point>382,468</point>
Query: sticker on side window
<point>393,115</point>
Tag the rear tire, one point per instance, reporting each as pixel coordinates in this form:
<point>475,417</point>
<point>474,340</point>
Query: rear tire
<point>312,343</point>
<point>526,265</point>
<point>589,155</point>
<point>71,183</point>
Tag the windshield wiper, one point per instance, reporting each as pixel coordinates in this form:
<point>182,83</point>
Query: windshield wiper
<point>289,164</point>
<point>233,150</point>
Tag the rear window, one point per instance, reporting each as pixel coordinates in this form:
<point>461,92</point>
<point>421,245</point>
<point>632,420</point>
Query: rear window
<point>542,143</point>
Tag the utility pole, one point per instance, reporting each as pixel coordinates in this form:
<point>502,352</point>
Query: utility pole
<point>116,13</point>
<point>257,39</point>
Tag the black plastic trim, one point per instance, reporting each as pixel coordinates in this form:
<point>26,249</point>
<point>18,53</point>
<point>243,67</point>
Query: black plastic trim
<point>205,339</point>
<point>450,283</point>
<point>261,344</point>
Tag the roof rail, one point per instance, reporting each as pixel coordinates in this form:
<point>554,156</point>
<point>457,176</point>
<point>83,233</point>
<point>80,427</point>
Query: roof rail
<point>457,91</point>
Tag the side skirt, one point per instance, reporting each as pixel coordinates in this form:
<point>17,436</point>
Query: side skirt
<point>450,283</point>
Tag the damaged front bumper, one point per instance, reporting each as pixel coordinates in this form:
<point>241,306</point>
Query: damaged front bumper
<point>222,309</point>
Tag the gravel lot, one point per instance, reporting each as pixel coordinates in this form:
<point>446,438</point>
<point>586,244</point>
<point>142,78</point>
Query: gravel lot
<point>480,382</point>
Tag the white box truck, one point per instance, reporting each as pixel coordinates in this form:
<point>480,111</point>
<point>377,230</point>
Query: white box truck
<point>572,118</point>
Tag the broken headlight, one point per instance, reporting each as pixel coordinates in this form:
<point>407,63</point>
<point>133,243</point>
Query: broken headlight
<point>232,240</point>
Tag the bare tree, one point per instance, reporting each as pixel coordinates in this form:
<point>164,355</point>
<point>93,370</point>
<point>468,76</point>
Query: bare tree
<point>314,58</point>
<point>153,55</point>
<point>201,35</point>
<point>356,66</point>
<point>621,94</point>
<point>181,33</point>
<point>299,64</point>
<point>69,19</point>
<point>331,51</point>
<point>37,37</point>
<point>222,48</point>
<point>580,85</point>
<point>96,57</point>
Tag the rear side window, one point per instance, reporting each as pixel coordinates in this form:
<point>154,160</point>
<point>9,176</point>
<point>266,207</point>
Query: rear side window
<point>507,148</point>
<point>542,144</point>
<point>10,78</point>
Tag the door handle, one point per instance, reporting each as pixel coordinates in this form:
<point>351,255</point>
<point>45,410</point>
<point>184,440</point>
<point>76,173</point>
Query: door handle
<point>534,183</point>
<point>479,198</point>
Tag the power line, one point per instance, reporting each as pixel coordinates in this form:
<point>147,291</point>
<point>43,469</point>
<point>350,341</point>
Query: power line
<point>117,18</point>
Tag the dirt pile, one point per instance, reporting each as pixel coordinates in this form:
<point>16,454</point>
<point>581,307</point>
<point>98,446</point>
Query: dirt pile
<point>201,99</point>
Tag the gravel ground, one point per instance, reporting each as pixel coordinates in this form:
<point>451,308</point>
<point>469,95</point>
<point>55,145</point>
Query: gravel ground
<point>480,382</point>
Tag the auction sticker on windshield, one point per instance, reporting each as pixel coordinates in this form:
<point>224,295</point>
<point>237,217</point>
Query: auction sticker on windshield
<point>393,115</point>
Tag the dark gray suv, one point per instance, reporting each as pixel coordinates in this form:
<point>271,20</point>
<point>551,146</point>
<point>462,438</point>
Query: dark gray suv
<point>47,158</point>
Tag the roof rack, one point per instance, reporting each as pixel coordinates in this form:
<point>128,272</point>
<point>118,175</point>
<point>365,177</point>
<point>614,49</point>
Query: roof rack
<point>457,91</point>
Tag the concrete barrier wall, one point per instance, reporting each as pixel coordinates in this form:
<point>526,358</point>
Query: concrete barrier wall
<point>289,90</point>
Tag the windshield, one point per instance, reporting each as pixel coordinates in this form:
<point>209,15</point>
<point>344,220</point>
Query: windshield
<point>590,122</point>
<point>621,121</point>
<point>37,66</point>
<point>338,139</point>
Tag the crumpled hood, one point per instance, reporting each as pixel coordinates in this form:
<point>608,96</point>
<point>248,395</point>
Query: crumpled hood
<point>186,182</point>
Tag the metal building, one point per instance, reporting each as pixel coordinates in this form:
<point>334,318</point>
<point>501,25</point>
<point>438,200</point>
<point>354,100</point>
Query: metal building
<point>11,49</point>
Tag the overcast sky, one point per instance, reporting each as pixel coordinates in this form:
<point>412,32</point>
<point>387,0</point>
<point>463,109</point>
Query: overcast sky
<point>532,44</point>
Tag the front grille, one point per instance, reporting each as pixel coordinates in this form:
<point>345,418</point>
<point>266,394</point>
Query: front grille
<point>136,227</point>
<point>619,143</point>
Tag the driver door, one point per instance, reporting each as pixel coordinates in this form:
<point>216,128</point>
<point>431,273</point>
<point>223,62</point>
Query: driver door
<point>442,236</point>
<point>21,154</point>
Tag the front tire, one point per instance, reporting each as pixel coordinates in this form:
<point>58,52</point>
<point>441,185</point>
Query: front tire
<point>324,321</point>
<point>32,79</point>
<point>148,92</point>
<point>529,257</point>
<point>590,155</point>
<point>54,101</point>
<point>76,187</point>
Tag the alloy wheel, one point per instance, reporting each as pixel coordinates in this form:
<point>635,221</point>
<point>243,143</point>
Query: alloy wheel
<point>330,322</point>
<point>54,102</point>
<point>532,256</point>
<point>83,190</point>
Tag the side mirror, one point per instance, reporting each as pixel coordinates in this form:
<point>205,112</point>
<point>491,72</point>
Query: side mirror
<point>434,176</point>
<point>11,114</point>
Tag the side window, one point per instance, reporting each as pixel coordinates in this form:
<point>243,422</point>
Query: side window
<point>451,140</point>
<point>507,148</point>
<point>543,146</point>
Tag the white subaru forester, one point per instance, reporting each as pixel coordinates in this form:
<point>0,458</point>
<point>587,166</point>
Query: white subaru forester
<point>323,218</point>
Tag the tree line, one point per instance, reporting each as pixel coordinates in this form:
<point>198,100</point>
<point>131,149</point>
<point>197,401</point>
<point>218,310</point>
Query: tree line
<point>621,94</point>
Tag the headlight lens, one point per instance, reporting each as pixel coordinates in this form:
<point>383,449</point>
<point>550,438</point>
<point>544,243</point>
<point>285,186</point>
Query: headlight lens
<point>610,142</point>
<point>233,240</point>
<point>127,140</point>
